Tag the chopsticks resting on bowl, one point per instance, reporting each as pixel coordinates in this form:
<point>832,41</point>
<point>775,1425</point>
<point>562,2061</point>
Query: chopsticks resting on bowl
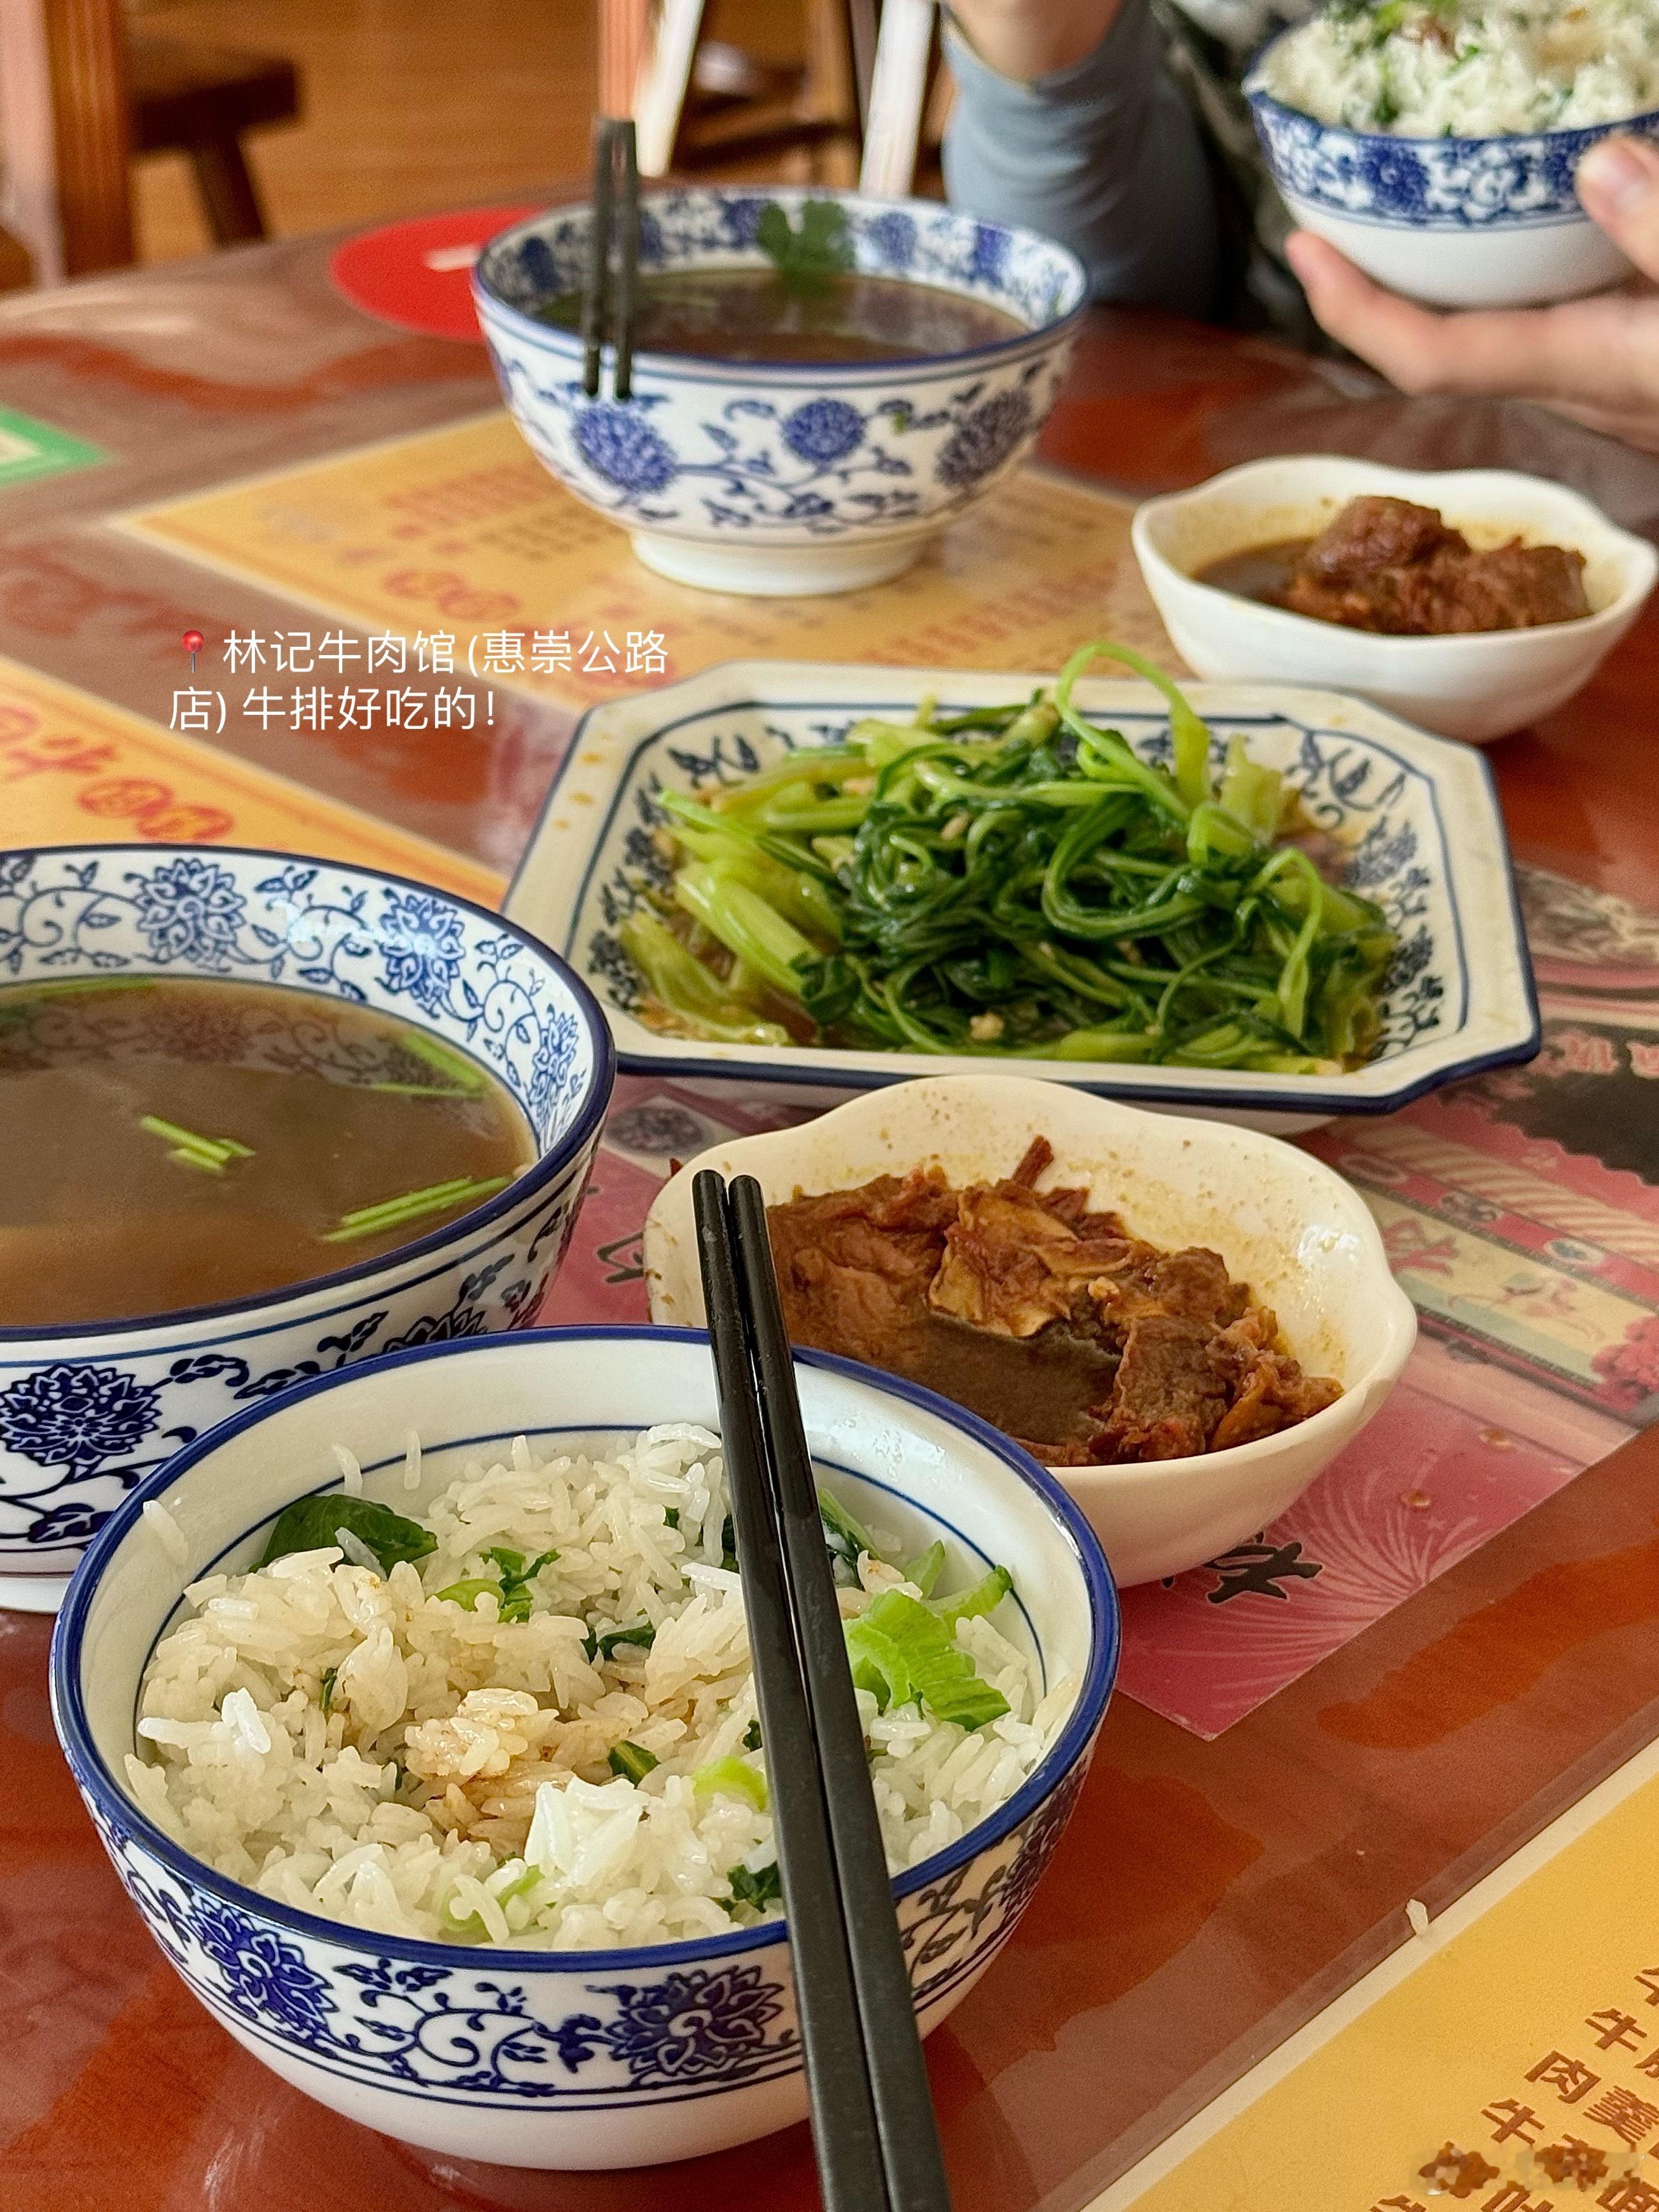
<point>873,2129</point>
<point>611,293</point>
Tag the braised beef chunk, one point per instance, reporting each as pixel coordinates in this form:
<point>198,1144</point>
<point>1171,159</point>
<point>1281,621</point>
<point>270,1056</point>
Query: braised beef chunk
<point>854,1266</point>
<point>1084,1343</point>
<point>1006,1264</point>
<point>1372,535</point>
<point>1386,565</point>
<point>1167,1397</point>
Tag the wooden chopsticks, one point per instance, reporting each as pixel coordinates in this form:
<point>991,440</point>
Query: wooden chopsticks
<point>873,2129</point>
<point>611,284</point>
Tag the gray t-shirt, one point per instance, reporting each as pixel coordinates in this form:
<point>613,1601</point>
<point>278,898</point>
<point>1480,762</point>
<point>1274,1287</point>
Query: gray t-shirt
<point>1141,157</point>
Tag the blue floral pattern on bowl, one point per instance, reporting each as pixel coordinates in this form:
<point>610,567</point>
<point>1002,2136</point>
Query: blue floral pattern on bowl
<point>1408,819</point>
<point>766,456</point>
<point>1488,184</point>
<point>85,1412</point>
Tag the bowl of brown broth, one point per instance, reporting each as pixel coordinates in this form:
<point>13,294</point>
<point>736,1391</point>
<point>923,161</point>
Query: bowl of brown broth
<point>821,379</point>
<point>260,1117</point>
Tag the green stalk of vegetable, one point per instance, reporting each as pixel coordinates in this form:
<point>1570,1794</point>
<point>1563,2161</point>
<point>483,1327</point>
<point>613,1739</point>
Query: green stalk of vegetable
<point>744,922</point>
<point>732,1778</point>
<point>688,989</point>
<point>631,1760</point>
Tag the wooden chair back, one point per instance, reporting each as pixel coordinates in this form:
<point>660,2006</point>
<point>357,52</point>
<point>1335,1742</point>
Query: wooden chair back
<point>867,79</point>
<point>65,135</point>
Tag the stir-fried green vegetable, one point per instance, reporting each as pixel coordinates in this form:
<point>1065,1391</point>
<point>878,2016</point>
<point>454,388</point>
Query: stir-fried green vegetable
<point>1015,881</point>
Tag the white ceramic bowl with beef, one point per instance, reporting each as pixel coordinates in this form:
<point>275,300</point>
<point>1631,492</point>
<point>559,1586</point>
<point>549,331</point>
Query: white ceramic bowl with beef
<point>1476,685</point>
<point>1295,1231</point>
<point>599,2057</point>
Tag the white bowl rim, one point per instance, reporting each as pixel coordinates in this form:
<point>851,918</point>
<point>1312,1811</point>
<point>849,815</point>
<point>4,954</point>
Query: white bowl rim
<point>86,1763</point>
<point>1383,643</point>
<point>842,1069</point>
<point>693,368</point>
<point>1384,1366</point>
<point>1258,98</point>
<point>541,1170</point>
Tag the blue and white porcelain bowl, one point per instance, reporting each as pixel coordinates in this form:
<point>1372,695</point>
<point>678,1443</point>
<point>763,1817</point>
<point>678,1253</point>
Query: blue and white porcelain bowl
<point>87,1412</point>
<point>781,478</point>
<point>1456,223</point>
<point>564,2059</point>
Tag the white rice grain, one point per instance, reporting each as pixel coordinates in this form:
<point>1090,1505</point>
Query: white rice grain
<point>360,1745</point>
<point>170,1535</point>
<point>1471,68</point>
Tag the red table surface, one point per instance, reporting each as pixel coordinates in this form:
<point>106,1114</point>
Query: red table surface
<point>1208,1897</point>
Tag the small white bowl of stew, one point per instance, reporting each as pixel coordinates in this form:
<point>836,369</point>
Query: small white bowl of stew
<point>820,379</point>
<point>261,1117</point>
<point>1473,621</point>
<point>1186,1321</point>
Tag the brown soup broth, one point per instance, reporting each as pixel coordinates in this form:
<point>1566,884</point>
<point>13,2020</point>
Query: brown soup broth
<point>1260,572</point>
<point>339,1109</point>
<point>753,315</point>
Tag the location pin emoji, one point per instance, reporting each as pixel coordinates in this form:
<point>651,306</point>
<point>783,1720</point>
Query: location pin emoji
<point>193,641</point>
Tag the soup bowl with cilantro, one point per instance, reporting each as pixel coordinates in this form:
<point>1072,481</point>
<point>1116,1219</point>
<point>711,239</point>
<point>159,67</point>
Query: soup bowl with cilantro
<point>414,1710</point>
<point>260,1116</point>
<point>820,382</point>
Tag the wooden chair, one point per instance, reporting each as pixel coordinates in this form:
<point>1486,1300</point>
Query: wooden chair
<point>198,100</point>
<point>859,101</point>
<point>78,100</point>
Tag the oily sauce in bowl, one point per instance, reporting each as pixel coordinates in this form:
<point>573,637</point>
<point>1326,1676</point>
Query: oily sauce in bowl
<point>170,1143</point>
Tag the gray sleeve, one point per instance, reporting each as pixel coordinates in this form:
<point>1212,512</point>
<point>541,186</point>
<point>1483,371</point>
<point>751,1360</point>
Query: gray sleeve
<point>1104,156</point>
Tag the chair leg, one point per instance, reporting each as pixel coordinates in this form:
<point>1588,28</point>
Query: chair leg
<point>829,93</point>
<point>896,96</point>
<point>229,198</point>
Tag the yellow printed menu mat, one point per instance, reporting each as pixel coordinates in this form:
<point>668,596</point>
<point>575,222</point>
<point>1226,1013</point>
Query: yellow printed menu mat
<point>461,530</point>
<point>76,771</point>
<point>1509,2060</point>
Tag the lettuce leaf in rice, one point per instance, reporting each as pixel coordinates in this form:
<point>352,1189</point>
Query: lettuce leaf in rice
<point>903,1650</point>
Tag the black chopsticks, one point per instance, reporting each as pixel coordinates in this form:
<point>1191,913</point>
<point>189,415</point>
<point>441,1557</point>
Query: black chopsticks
<point>611,285</point>
<point>873,2129</point>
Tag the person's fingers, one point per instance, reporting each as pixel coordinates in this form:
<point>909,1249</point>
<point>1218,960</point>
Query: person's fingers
<point>1601,353</point>
<point>1417,349</point>
<point>1618,182</point>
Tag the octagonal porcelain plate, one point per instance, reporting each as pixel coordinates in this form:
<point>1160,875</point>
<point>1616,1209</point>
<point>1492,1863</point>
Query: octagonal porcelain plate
<point>1416,817</point>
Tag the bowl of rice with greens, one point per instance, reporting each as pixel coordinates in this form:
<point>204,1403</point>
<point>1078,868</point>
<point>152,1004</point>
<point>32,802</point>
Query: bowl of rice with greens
<point>1436,142</point>
<point>415,1710</point>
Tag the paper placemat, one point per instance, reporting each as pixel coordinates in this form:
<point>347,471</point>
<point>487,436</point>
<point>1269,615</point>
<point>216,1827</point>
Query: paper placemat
<point>76,771</point>
<point>1507,2059</point>
<point>459,531</point>
<point>30,449</point>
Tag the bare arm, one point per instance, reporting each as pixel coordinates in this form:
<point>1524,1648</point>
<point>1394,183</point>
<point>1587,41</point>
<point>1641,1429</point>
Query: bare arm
<point>1028,39</point>
<point>1099,150</point>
